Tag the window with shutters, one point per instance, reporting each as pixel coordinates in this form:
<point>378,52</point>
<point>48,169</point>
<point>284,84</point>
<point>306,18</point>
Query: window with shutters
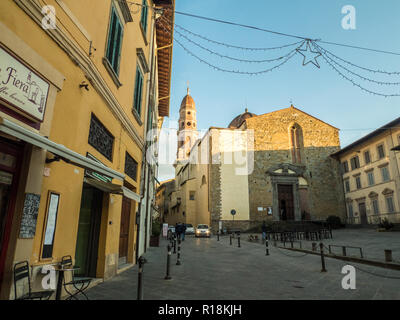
<point>375,206</point>
<point>143,19</point>
<point>131,166</point>
<point>345,167</point>
<point>114,42</point>
<point>389,204</point>
<point>358,182</point>
<point>137,100</point>
<point>367,157</point>
<point>355,163</point>
<point>381,151</point>
<point>385,174</point>
<point>347,185</point>
<point>371,180</point>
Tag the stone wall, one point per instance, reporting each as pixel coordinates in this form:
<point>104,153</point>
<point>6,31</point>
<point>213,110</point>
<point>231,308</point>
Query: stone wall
<point>272,147</point>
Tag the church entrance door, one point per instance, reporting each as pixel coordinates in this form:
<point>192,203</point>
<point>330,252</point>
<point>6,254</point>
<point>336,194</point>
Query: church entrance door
<point>285,200</point>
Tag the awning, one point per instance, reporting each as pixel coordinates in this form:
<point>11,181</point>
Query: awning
<point>112,188</point>
<point>70,156</point>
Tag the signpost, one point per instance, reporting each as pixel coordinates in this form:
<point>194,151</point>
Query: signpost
<point>233,212</point>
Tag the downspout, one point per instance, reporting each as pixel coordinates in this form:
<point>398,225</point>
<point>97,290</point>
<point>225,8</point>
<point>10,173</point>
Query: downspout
<point>148,171</point>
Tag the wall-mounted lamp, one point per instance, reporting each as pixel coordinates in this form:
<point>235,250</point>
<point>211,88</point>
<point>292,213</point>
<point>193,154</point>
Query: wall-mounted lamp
<point>84,85</point>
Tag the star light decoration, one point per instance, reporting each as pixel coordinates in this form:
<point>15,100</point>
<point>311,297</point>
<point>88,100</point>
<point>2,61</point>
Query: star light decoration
<point>309,55</point>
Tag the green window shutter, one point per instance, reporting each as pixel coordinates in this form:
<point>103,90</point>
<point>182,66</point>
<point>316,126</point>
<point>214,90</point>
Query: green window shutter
<point>111,36</point>
<point>140,92</point>
<point>143,20</point>
<point>135,105</point>
<point>117,51</point>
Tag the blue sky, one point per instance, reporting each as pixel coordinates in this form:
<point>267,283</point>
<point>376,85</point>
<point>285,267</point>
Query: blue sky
<point>321,92</point>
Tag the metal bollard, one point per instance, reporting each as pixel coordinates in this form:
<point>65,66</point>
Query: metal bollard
<point>291,244</point>
<point>321,246</point>
<point>266,248</point>
<point>218,235</point>
<point>178,260</point>
<point>141,262</point>
<point>174,245</point>
<point>230,239</point>
<point>167,276</point>
<point>344,250</point>
<point>388,256</point>
<point>239,240</point>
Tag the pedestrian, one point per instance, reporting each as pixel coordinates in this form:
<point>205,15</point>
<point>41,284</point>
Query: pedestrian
<point>183,231</point>
<point>264,231</point>
<point>178,230</point>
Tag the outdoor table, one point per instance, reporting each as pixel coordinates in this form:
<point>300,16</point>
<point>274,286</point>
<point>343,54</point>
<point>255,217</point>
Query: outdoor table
<point>61,271</point>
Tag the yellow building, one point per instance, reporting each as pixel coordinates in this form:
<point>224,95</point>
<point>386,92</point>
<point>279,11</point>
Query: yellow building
<point>79,91</point>
<point>371,176</point>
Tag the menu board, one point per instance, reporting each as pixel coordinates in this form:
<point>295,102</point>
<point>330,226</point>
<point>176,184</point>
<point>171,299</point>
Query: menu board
<point>29,216</point>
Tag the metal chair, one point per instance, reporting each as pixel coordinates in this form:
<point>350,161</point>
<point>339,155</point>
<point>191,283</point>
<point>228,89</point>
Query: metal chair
<point>80,284</point>
<point>21,272</point>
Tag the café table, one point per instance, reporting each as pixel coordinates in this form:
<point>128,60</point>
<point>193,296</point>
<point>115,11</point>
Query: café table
<point>60,269</point>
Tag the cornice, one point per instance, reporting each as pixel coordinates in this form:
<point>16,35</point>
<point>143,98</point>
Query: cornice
<point>81,59</point>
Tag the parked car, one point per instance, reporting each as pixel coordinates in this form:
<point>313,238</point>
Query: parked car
<point>189,229</point>
<point>203,230</point>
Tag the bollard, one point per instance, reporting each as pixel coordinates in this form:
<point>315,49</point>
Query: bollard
<point>321,246</point>
<point>291,244</point>
<point>314,246</point>
<point>274,242</point>
<point>141,262</point>
<point>230,239</point>
<point>239,240</point>
<point>344,250</point>
<point>388,256</point>
<point>167,276</point>
<point>178,260</point>
<point>218,235</point>
<point>174,245</point>
<point>266,248</point>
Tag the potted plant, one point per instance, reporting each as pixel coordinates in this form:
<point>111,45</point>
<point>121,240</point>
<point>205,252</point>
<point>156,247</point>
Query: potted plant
<point>155,234</point>
<point>385,225</point>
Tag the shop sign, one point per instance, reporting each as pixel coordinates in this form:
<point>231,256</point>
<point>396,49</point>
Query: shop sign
<point>21,87</point>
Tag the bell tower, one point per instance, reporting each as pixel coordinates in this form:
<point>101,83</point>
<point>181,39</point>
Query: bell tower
<point>187,132</point>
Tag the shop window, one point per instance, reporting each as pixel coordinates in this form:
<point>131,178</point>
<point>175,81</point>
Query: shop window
<point>114,44</point>
<point>100,138</point>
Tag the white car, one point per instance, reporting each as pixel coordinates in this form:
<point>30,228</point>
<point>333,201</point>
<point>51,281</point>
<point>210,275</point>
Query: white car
<point>203,230</point>
<point>189,229</point>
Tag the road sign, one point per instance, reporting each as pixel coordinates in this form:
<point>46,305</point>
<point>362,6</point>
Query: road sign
<point>233,212</point>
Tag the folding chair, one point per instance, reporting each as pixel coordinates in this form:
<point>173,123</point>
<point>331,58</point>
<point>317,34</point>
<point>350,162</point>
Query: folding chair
<point>79,284</point>
<point>21,272</point>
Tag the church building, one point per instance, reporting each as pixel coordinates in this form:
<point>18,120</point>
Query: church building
<point>275,166</point>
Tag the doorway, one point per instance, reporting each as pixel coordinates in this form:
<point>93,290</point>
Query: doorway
<point>124,231</point>
<point>87,243</point>
<point>10,164</point>
<point>363,213</point>
<point>286,202</point>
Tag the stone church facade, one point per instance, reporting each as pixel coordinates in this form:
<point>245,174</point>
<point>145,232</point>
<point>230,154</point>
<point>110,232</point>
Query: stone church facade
<point>287,172</point>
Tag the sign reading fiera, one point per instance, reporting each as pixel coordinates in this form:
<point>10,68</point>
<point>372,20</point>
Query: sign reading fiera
<point>22,88</point>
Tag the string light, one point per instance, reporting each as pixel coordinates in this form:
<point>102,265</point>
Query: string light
<point>353,82</point>
<point>291,55</point>
<point>229,57</point>
<point>233,46</point>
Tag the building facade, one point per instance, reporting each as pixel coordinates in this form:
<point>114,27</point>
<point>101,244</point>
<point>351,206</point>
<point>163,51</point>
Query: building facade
<point>80,90</point>
<point>371,176</point>
<point>275,166</point>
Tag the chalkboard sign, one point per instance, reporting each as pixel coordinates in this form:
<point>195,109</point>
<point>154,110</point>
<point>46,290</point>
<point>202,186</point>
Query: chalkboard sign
<point>29,216</point>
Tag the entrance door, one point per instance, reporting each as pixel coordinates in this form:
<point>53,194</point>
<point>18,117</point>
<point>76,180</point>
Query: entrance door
<point>10,160</point>
<point>363,213</point>
<point>286,203</point>
<point>87,243</point>
<point>124,230</point>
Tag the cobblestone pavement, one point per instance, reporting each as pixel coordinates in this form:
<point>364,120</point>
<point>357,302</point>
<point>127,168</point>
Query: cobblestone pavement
<point>215,270</point>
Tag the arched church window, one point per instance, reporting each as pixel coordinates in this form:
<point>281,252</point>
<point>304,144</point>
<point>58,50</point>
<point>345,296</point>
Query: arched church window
<point>296,142</point>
